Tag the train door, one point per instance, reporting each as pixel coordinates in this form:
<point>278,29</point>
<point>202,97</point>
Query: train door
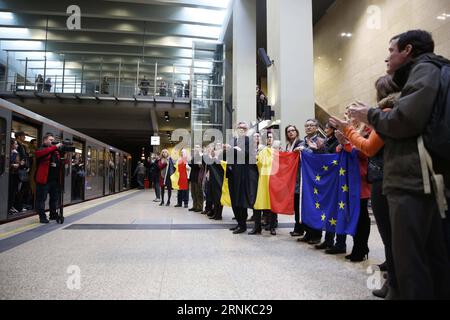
<point>107,156</point>
<point>101,169</point>
<point>112,172</point>
<point>78,171</point>
<point>22,178</point>
<point>117,173</point>
<point>68,171</point>
<point>122,173</point>
<point>5,128</point>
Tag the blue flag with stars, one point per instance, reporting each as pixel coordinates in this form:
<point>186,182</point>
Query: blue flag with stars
<point>331,191</point>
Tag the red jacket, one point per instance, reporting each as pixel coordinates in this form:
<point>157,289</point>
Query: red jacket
<point>43,157</point>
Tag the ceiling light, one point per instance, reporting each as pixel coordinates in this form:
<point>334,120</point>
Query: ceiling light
<point>443,17</point>
<point>346,35</point>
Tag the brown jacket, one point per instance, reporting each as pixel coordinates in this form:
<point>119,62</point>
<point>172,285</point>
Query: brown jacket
<point>401,127</point>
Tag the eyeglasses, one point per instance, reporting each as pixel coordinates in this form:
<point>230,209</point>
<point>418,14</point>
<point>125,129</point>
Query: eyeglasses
<point>293,130</point>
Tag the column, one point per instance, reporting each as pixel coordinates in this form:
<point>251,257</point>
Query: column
<point>244,61</point>
<point>290,45</point>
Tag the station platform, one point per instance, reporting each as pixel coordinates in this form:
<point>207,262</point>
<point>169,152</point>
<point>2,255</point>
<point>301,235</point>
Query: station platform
<point>127,247</point>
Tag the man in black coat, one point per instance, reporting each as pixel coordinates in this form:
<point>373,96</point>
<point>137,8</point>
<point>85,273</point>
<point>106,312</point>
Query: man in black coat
<point>242,174</point>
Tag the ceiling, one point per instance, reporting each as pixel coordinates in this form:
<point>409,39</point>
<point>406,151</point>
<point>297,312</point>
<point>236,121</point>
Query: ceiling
<point>113,33</point>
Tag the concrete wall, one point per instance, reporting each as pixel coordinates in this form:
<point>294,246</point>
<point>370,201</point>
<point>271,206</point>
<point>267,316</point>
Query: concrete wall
<point>346,68</point>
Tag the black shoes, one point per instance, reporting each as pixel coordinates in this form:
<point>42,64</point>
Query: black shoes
<point>314,241</point>
<point>383,267</point>
<point>323,246</point>
<point>198,210</point>
<point>186,206</point>
<point>305,239</point>
<point>273,232</point>
<point>336,250</point>
<point>192,209</point>
<point>44,220</point>
<point>168,204</point>
<point>239,230</point>
<point>295,234</point>
<point>234,228</point>
<point>356,257</point>
<point>383,292</point>
<point>178,206</point>
<point>161,204</point>
<point>255,232</point>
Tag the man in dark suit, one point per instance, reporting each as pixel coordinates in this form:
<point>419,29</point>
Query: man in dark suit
<point>242,174</point>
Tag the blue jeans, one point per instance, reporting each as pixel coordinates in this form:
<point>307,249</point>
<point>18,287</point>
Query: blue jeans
<point>53,188</point>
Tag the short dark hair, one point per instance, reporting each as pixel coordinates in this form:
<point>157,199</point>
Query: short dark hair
<point>19,134</point>
<point>421,41</point>
<point>47,135</point>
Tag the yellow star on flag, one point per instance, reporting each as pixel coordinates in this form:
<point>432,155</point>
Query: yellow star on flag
<point>317,205</point>
<point>323,216</point>
<point>318,178</point>
<point>335,163</point>
<point>341,205</point>
<point>345,188</point>
<point>333,222</point>
<point>316,191</point>
<point>342,172</point>
<point>325,168</point>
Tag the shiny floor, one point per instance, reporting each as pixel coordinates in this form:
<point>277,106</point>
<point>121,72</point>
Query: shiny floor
<point>127,247</point>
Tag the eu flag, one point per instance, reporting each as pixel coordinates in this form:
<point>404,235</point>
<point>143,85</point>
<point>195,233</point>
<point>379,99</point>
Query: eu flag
<point>331,191</point>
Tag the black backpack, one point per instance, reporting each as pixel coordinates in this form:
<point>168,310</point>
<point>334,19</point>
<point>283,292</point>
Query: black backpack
<point>437,132</point>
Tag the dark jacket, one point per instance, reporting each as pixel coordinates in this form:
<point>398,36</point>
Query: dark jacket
<point>331,145</point>
<point>243,177</point>
<point>401,127</point>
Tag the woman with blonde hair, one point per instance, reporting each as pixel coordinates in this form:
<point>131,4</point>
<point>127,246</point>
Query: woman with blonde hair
<point>164,164</point>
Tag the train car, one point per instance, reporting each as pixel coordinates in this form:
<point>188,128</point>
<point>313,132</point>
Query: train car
<point>94,170</point>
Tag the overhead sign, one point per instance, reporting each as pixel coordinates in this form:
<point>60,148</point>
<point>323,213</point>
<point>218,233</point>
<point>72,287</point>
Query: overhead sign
<point>155,141</point>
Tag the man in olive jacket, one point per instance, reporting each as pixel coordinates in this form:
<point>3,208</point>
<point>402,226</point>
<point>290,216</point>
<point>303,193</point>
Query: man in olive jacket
<point>418,246</point>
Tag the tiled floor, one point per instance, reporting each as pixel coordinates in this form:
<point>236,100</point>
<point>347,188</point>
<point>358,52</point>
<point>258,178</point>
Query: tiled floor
<point>173,264</point>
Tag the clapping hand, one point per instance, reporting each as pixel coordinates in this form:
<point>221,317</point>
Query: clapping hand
<point>339,124</point>
<point>312,145</point>
<point>359,111</point>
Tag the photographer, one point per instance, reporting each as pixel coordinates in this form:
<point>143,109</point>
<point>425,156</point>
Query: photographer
<point>48,177</point>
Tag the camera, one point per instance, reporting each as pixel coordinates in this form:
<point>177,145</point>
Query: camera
<point>67,146</point>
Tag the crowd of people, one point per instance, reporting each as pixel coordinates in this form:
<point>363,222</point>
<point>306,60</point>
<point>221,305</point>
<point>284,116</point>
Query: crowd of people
<point>414,232</point>
<point>22,185</point>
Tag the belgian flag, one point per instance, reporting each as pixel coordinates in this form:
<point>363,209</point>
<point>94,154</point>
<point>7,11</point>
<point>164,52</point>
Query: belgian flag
<point>277,179</point>
<point>219,183</point>
<point>179,177</point>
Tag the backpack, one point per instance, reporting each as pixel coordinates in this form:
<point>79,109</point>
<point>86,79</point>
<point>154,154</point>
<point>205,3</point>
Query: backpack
<point>437,132</point>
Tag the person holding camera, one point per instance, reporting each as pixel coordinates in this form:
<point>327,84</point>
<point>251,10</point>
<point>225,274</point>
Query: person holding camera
<point>48,177</point>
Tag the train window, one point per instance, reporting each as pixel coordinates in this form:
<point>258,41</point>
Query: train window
<point>94,162</point>
<point>2,145</point>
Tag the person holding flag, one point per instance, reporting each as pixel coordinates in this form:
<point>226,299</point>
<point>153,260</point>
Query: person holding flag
<point>179,180</point>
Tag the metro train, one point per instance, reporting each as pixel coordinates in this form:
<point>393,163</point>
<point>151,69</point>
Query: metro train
<point>93,171</point>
